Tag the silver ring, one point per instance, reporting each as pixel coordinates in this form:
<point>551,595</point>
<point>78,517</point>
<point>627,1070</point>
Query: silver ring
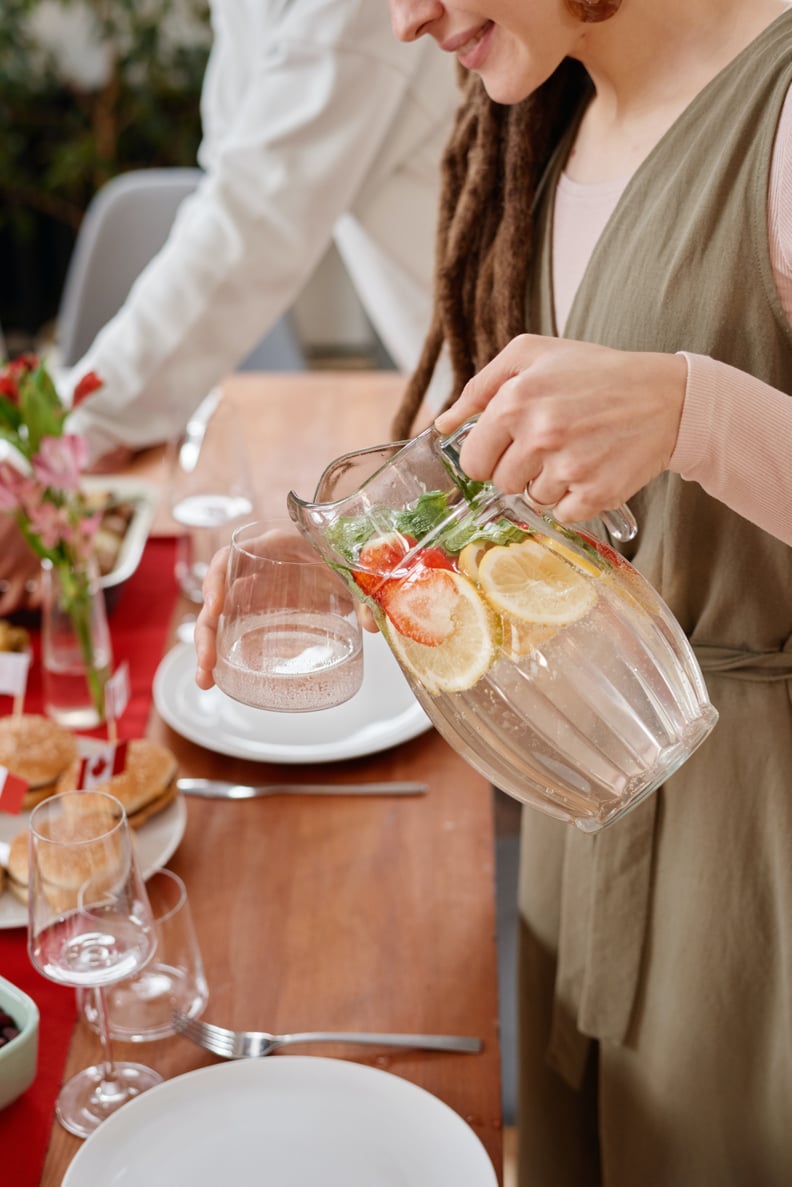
<point>31,587</point>
<point>535,502</point>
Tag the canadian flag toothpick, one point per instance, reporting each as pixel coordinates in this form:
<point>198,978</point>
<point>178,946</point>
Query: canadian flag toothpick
<point>116,698</point>
<point>13,675</point>
<point>101,765</point>
<point>12,792</point>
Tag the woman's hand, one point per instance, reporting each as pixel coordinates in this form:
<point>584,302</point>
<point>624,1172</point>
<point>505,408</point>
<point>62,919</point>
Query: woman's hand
<point>20,569</point>
<point>206,624</point>
<point>583,426</point>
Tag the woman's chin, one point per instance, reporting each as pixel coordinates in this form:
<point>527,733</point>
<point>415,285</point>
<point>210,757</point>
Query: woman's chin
<point>504,90</point>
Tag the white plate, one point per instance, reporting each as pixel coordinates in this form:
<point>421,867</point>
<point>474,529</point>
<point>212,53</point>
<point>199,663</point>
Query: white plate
<point>382,713</point>
<point>285,1121</point>
<point>156,841</point>
<point>144,497</point>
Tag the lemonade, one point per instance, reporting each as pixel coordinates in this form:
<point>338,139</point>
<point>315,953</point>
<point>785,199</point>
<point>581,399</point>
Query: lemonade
<point>531,652</point>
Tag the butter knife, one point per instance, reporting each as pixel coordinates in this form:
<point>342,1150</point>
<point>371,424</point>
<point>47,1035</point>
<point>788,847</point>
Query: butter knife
<point>219,789</point>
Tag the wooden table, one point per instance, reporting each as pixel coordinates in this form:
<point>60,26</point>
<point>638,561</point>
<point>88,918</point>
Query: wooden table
<point>338,913</point>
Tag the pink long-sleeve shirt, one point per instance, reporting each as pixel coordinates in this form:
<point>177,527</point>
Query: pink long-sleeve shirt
<point>735,435</point>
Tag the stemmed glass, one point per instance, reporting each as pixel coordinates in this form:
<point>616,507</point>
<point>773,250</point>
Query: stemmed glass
<point>210,489</point>
<point>90,924</point>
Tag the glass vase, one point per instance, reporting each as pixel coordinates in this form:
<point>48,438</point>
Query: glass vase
<point>76,652</point>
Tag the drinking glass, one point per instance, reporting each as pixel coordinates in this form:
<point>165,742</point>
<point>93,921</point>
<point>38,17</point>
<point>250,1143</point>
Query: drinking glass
<point>289,638</point>
<point>210,490</point>
<point>141,1008</point>
<point>89,925</point>
<point>76,648</point>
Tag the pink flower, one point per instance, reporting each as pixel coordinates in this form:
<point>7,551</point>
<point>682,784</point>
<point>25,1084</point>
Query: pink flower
<point>8,500</point>
<point>60,460</point>
<point>50,524</point>
<point>16,488</point>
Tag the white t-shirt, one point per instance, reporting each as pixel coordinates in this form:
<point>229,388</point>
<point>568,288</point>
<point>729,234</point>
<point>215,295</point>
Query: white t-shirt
<point>317,125</point>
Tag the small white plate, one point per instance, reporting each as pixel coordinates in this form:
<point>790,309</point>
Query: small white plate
<point>155,842</point>
<point>382,713</point>
<point>285,1121</point>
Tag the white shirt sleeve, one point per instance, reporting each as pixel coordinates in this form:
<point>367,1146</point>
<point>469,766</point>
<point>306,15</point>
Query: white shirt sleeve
<point>326,81</point>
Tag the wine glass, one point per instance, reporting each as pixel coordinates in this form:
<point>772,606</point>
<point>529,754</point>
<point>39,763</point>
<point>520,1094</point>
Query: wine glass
<point>90,924</point>
<point>210,489</point>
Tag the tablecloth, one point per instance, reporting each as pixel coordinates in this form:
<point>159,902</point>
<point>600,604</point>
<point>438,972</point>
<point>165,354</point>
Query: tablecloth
<point>139,623</point>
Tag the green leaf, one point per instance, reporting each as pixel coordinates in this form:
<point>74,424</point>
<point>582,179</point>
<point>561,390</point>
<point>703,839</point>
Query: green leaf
<point>41,408</point>
<point>429,521</point>
<point>10,416</point>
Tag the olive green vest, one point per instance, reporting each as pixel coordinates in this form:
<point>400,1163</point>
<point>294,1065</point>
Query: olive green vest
<point>683,264</point>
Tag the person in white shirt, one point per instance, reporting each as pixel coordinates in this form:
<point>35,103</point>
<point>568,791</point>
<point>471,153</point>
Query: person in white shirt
<point>317,126</point>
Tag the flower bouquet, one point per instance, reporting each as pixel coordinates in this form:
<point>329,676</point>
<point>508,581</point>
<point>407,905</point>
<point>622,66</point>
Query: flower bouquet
<point>40,487</point>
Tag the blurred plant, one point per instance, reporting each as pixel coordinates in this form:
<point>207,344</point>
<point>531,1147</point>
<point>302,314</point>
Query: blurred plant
<point>41,489</point>
<point>89,88</point>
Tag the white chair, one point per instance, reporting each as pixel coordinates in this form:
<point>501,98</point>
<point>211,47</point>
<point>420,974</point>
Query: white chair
<point>125,225</point>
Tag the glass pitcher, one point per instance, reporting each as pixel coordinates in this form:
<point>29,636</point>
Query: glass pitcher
<point>538,652</point>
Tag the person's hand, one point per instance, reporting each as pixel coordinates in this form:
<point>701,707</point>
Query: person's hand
<point>209,615</point>
<point>583,426</point>
<point>20,569</point>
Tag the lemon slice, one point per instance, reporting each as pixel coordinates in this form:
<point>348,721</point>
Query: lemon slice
<point>521,638</point>
<point>573,556</point>
<point>529,583</point>
<point>470,557</point>
<point>464,656</point>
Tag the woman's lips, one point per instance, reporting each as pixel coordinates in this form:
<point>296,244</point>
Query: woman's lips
<point>471,46</point>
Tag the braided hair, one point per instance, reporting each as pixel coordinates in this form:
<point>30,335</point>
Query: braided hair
<point>491,168</point>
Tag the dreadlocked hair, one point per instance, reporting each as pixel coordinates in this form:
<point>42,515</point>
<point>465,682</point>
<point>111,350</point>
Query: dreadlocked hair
<point>490,172</point>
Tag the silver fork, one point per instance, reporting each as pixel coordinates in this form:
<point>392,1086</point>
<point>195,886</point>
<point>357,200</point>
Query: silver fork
<point>246,1044</point>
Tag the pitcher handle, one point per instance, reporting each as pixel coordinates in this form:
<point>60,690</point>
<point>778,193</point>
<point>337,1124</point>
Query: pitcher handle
<point>619,521</point>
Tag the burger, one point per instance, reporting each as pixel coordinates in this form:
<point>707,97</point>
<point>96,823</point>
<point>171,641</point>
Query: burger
<point>37,750</point>
<point>146,785</point>
<point>17,867</point>
<point>64,872</point>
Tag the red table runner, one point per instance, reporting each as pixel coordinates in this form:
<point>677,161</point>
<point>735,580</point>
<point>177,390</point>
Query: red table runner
<point>139,625</point>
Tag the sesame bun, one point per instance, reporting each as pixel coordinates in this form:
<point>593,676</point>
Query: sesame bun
<point>145,786</point>
<point>36,749</point>
<point>64,872</point>
<point>17,868</point>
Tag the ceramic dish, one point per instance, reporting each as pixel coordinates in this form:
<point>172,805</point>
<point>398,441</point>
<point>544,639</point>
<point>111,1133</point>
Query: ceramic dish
<point>18,1058</point>
<point>290,1121</point>
<point>144,498</point>
<point>382,713</point>
<point>155,842</point>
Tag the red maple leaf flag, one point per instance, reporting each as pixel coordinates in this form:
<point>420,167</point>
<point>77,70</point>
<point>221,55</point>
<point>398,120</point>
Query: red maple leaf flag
<point>100,765</point>
<point>14,672</point>
<point>12,792</point>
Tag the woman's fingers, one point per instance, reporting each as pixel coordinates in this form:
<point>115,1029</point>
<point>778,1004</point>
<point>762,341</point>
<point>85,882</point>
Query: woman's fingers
<point>582,425</point>
<point>208,617</point>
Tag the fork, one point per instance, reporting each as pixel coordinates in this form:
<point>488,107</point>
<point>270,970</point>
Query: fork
<point>247,1044</point>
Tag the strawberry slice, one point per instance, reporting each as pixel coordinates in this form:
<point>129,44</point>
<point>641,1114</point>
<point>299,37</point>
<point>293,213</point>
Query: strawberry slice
<point>379,558</point>
<point>421,606</point>
<point>434,558</point>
